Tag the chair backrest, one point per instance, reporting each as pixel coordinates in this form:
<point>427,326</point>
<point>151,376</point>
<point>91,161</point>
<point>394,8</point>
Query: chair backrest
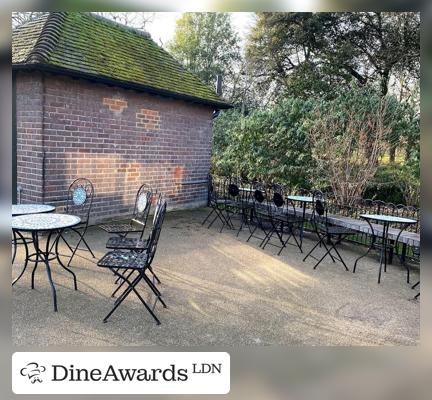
<point>80,199</point>
<point>143,203</point>
<point>259,194</point>
<point>233,190</point>
<point>159,202</point>
<point>156,230</point>
<point>276,199</point>
<point>320,209</point>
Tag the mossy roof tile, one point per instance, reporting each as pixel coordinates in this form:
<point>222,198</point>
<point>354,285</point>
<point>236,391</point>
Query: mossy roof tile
<point>90,45</point>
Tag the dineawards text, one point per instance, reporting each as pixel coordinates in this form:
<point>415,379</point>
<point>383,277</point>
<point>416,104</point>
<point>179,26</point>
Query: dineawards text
<point>112,374</point>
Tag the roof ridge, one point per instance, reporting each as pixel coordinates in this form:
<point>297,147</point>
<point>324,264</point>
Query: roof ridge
<point>119,25</point>
<point>48,38</point>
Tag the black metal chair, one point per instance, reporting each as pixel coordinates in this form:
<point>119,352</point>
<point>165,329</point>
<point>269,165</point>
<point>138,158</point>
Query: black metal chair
<point>138,244</point>
<point>238,203</point>
<point>260,214</point>
<point>218,203</point>
<point>326,232</point>
<point>139,217</point>
<point>79,202</point>
<point>138,263</point>
<point>283,219</point>
<point>124,242</point>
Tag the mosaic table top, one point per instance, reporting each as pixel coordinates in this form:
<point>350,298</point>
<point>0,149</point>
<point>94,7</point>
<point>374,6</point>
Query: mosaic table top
<point>26,209</point>
<point>44,222</point>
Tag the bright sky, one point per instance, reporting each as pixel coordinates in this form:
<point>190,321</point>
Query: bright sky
<point>163,25</point>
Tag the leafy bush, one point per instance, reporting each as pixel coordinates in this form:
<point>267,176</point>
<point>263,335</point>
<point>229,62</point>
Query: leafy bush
<point>397,183</point>
<point>297,142</point>
<point>269,145</point>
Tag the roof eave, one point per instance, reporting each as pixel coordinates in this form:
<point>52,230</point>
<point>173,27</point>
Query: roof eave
<point>124,84</point>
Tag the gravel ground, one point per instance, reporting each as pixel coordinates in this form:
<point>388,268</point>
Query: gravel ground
<point>220,290</point>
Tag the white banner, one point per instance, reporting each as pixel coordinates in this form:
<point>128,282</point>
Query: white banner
<point>120,373</point>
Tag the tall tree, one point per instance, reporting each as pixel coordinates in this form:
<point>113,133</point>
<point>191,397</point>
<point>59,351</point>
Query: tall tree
<point>307,53</point>
<point>206,44</point>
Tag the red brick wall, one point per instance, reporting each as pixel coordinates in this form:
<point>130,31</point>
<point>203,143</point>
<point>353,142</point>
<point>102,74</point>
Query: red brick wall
<point>29,137</point>
<point>117,138</point>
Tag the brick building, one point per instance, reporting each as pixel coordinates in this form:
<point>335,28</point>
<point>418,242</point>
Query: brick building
<point>99,100</point>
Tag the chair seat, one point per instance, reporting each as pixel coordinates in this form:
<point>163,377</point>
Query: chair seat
<point>126,243</point>
<point>123,259</point>
<point>120,228</point>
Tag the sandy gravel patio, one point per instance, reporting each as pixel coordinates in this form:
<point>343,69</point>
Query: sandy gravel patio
<point>221,290</point>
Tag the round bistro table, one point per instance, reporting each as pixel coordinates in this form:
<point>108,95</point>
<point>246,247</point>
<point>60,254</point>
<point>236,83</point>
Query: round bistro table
<point>53,225</point>
<point>27,209</point>
<point>386,221</point>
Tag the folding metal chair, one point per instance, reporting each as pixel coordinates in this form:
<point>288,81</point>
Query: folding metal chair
<point>79,202</point>
<point>283,220</point>
<point>124,242</point>
<point>139,217</point>
<point>137,264</point>
<point>137,244</point>
<point>260,216</point>
<point>326,232</point>
<point>218,203</point>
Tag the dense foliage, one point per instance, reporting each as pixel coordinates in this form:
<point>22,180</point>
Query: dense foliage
<point>269,144</point>
<point>336,144</point>
<point>206,44</point>
<point>314,53</point>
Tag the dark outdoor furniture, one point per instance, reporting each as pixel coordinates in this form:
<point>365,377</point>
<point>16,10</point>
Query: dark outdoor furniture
<point>138,263</point>
<point>124,242</point>
<point>53,225</point>
<point>342,222</point>
<point>242,204</point>
<point>329,235</point>
<point>304,200</point>
<point>79,202</point>
<point>26,209</point>
<point>380,240</point>
<point>138,244</point>
<point>283,219</point>
<point>138,221</point>
<point>413,287</point>
<point>218,203</point>
<point>416,260</point>
<point>260,216</point>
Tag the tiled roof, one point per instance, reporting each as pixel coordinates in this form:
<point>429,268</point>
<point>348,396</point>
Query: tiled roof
<point>85,44</point>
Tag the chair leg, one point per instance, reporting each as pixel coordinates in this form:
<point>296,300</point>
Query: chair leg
<point>88,247</point>
<point>62,265</point>
<point>154,290</point>
<point>313,248</point>
<point>208,216</point>
<point>251,234</point>
<point>338,254</point>
<point>154,275</point>
<point>126,293</point>
<point>121,284</point>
